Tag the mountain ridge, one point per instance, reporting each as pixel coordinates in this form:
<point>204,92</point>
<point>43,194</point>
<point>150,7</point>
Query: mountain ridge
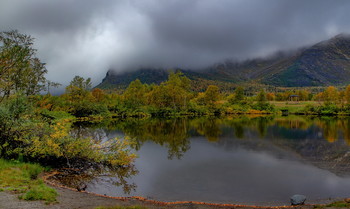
<point>322,64</point>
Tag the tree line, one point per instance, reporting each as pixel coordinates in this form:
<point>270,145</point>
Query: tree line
<point>175,97</point>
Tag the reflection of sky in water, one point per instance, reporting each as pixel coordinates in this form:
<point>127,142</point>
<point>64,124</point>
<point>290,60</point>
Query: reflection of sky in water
<point>210,172</point>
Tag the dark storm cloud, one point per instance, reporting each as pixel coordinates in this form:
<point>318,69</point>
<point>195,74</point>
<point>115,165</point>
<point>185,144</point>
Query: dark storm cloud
<point>44,16</point>
<point>86,37</point>
<point>247,28</point>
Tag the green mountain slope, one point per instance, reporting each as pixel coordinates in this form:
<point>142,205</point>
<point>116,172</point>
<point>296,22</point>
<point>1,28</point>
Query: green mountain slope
<point>326,63</point>
<point>323,64</point>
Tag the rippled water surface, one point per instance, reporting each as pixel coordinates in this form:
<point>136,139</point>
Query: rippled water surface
<point>246,160</point>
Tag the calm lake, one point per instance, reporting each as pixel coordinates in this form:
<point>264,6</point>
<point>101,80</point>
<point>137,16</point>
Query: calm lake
<point>241,160</point>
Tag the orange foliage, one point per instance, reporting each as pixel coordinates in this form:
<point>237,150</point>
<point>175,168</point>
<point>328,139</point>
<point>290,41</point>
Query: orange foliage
<point>98,94</point>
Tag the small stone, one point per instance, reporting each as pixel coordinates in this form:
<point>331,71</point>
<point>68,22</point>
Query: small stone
<point>347,200</point>
<point>297,199</point>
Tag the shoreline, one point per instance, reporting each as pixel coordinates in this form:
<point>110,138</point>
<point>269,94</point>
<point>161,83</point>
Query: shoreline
<point>182,204</point>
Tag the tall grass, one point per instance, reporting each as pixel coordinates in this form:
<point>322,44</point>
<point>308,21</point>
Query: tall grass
<point>22,178</point>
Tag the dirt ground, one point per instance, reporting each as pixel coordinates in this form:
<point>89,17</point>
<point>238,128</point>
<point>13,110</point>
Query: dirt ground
<point>69,199</point>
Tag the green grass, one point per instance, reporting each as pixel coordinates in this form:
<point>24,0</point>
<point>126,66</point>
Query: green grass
<point>293,107</point>
<point>22,178</point>
<point>123,207</point>
<point>338,204</point>
<point>40,192</point>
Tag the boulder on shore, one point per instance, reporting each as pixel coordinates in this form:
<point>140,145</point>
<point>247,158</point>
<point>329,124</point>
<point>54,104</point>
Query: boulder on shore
<point>297,199</point>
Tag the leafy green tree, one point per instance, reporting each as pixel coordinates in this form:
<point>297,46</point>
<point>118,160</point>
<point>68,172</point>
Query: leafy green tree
<point>238,96</point>
<point>135,94</point>
<point>80,101</point>
<point>211,95</point>
<point>174,93</point>
<point>178,87</point>
<point>81,83</point>
<point>159,97</point>
<point>20,69</point>
<point>261,97</point>
<point>262,103</point>
<point>78,89</point>
<point>16,124</point>
<point>52,84</point>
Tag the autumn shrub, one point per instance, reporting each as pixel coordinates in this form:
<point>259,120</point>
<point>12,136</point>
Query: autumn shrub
<point>45,137</point>
<point>57,143</point>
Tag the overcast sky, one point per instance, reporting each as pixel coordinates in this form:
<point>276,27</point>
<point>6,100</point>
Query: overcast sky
<point>87,37</point>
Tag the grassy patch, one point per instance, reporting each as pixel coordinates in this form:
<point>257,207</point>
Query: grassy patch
<point>123,207</point>
<point>338,204</point>
<point>293,107</point>
<point>23,178</point>
<point>40,192</point>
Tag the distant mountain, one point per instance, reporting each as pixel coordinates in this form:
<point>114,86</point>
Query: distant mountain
<point>323,64</point>
<point>122,80</point>
<point>326,63</point>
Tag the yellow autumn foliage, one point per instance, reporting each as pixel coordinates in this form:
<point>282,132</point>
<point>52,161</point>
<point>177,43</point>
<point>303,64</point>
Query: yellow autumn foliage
<point>59,143</point>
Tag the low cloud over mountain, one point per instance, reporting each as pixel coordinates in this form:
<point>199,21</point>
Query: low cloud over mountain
<point>86,37</point>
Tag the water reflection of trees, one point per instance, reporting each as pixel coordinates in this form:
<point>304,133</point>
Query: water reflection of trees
<point>171,133</point>
<point>208,127</point>
<point>345,126</point>
<point>174,133</point>
<point>334,127</point>
<point>302,123</point>
<point>80,178</point>
<point>81,175</point>
<point>244,123</point>
<point>301,134</point>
